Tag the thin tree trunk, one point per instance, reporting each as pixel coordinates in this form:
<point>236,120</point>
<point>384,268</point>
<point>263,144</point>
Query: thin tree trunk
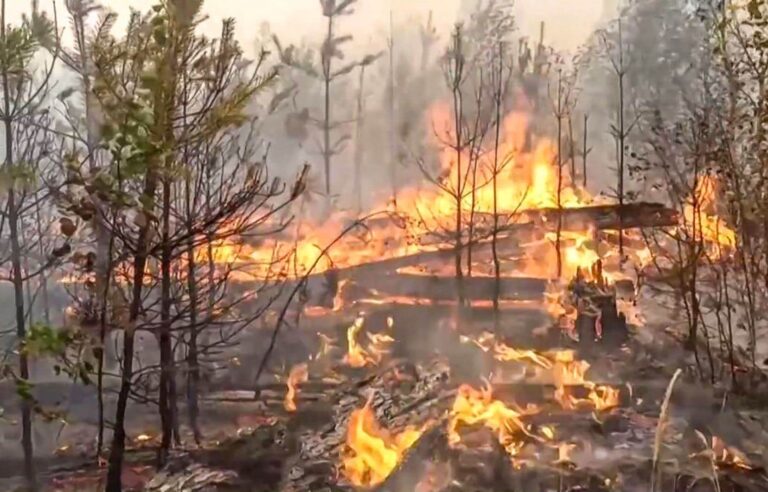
<point>166,349</point>
<point>584,153</point>
<point>43,276</point>
<point>193,363</point>
<point>327,103</point>
<point>17,274</point>
<point>359,144</point>
<point>117,450</point>
<point>622,136</point>
<point>391,108</point>
<point>559,231</point>
<point>571,148</point>
<point>495,231</point>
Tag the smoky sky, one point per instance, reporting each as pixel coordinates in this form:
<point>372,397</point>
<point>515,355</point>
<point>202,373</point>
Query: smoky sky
<point>568,22</point>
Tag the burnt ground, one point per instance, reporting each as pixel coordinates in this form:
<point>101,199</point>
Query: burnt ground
<point>713,440</point>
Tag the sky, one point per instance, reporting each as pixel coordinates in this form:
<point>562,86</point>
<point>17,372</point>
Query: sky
<point>568,22</point>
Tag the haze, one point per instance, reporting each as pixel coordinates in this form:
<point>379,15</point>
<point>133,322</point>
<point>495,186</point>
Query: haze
<point>568,22</point>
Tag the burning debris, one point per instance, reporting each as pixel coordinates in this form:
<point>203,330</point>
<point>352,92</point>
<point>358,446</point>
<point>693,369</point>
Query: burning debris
<point>373,453</point>
<point>372,353</point>
<point>298,374</point>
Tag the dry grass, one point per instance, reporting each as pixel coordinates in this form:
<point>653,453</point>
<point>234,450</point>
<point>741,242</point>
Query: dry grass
<point>655,475</point>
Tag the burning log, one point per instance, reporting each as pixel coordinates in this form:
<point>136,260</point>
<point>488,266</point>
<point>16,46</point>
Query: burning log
<point>431,446</point>
<point>439,288</point>
<point>597,314</point>
<point>607,217</point>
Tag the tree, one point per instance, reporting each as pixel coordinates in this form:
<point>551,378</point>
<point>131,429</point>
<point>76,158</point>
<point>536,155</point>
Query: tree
<point>164,91</point>
<point>26,145</point>
<point>326,71</point>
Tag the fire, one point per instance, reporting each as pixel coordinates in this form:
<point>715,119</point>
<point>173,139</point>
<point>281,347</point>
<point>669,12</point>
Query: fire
<point>567,371</point>
<point>299,374</point>
<point>473,407</point>
<point>528,178</point>
<point>706,226</point>
<point>372,452</point>
<point>725,455</point>
<point>359,356</point>
<point>506,353</point>
<point>327,344</point>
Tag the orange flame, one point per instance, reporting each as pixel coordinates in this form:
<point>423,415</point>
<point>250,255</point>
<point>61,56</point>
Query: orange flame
<point>299,374</point>
<point>567,371</point>
<point>359,356</point>
<point>709,228</point>
<point>473,407</point>
<point>372,452</point>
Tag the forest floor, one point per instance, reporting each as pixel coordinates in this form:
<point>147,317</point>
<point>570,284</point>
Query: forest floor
<point>712,440</point>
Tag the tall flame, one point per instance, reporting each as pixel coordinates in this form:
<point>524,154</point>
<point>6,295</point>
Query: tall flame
<point>299,374</point>
<point>372,452</point>
<point>378,346</point>
<point>700,220</point>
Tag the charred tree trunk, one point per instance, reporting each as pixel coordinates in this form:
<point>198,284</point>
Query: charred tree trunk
<point>167,379</point>
<point>584,153</point>
<point>117,451</point>
<point>327,152</point>
<point>359,145</point>
<point>392,114</point>
<point>193,362</point>
<point>495,232</point>
<point>559,230</point>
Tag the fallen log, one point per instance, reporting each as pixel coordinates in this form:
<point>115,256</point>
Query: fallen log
<point>603,217</point>
<point>440,288</point>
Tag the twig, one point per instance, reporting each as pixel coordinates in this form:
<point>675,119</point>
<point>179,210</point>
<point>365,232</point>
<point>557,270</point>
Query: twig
<point>660,429</point>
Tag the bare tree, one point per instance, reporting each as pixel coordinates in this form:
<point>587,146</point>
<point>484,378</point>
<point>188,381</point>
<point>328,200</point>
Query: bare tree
<point>23,114</point>
<point>327,73</point>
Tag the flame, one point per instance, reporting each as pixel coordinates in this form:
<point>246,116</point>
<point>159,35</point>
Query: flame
<point>725,455</point>
<point>473,407</point>
<point>359,356</point>
<point>299,374</point>
<point>372,452</point>
<point>506,353</point>
<point>707,227</point>
<point>567,371</point>
<point>527,178</point>
<point>327,344</point>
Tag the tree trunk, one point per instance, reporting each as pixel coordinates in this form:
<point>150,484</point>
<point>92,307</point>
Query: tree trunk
<point>21,332</point>
<point>193,364</point>
<point>117,451</point>
<point>327,103</point>
<point>359,145</point>
<point>166,395</point>
<point>495,232</point>
<point>17,275</point>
